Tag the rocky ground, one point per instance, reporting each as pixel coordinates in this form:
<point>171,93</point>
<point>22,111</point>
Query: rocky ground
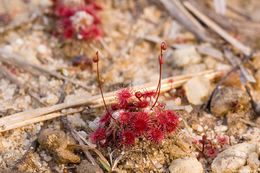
<point>223,140</point>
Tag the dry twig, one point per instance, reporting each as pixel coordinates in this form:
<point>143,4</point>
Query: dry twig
<point>255,106</point>
<point>243,72</point>
<point>103,43</point>
<point>178,12</point>
<point>245,27</point>
<point>36,13</point>
<point>247,17</point>
<point>26,121</point>
<point>90,146</point>
<point>41,114</point>
<point>249,123</point>
<point>12,78</point>
<point>218,29</point>
<point>14,59</point>
<point>207,49</point>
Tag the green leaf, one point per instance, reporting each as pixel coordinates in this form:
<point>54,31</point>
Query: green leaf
<point>106,166</point>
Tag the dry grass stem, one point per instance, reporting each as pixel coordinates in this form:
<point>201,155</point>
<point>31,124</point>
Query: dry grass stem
<point>21,21</point>
<point>4,71</point>
<point>14,59</point>
<point>218,29</point>
<point>76,136</point>
<point>12,78</point>
<point>249,123</point>
<point>243,72</point>
<point>41,114</point>
<point>178,12</point>
<point>244,26</point>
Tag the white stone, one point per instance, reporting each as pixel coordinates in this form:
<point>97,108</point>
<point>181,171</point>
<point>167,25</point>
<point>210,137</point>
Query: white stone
<point>253,161</point>
<point>27,98</point>
<point>197,89</point>
<point>188,108</point>
<point>231,159</point>
<point>29,54</point>
<point>19,42</point>
<point>42,49</point>
<point>221,128</point>
<point>200,128</point>
<point>76,120</point>
<point>186,165</point>
<point>185,56</point>
<point>43,80</point>
<point>177,101</point>
<point>9,92</point>
<point>93,125</point>
<point>245,169</point>
<point>210,62</point>
<point>8,48</point>
<point>52,99</point>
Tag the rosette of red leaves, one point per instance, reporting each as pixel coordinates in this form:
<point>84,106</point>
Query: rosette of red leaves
<point>210,148</point>
<point>77,20</point>
<point>137,114</point>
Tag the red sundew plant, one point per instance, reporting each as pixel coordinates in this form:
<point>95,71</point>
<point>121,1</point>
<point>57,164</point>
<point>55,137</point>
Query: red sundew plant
<point>137,114</point>
<point>210,148</point>
<point>77,19</point>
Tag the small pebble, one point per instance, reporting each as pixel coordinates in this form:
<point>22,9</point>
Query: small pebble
<point>231,159</point>
<point>42,49</point>
<point>186,165</point>
<point>210,62</point>
<point>65,72</point>
<point>93,125</point>
<point>185,56</point>
<point>197,89</point>
<point>76,120</point>
<point>52,139</point>
<point>188,108</point>
<point>221,128</point>
<point>177,101</point>
<point>8,48</point>
<point>52,99</point>
<point>253,161</point>
<point>19,41</point>
<point>245,169</point>
<point>200,128</point>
